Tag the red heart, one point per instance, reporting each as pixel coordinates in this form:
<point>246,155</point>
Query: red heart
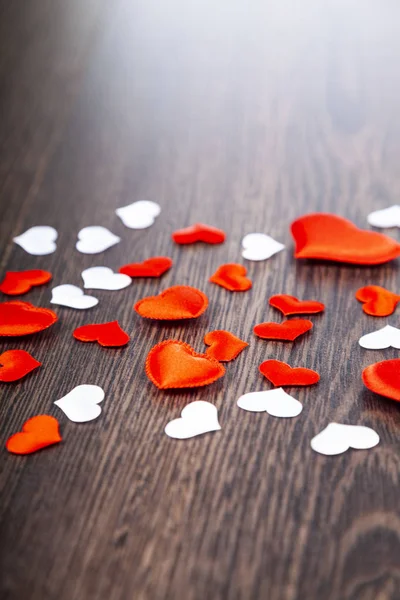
<point>384,378</point>
<point>177,302</point>
<point>378,301</point>
<point>174,364</point>
<point>286,331</point>
<point>15,364</point>
<point>290,305</point>
<point>152,267</point>
<point>329,237</point>
<point>232,277</point>
<point>224,346</point>
<point>199,233</point>
<point>20,282</point>
<point>280,373</point>
<point>109,335</point>
<point>22,318</point>
<point>38,432</point>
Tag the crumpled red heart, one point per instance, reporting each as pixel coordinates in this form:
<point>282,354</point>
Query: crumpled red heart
<point>152,267</point>
<point>109,335</point>
<point>285,331</point>
<point>232,277</point>
<point>290,305</point>
<point>174,364</point>
<point>280,374</point>
<point>384,378</point>
<point>199,233</point>
<point>20,282</point>
<point>37,432</point>
<point>328,237</point>
<point>176,302</point>
<point>378,301</point>
<point>15,364</point>
<point>224,346</point>
<point>22,318</point>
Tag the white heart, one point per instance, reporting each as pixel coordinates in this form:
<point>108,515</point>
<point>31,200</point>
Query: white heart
<point>275,402</point>
<point>139,215</point>
<point>259,246</point>
<point>387,337</point>
<point>103,278</point>
<point>196,418</point>
<point>388,217</point>
<point>81,404</point>
<point>336,438</point>
<point>95,239</point>
<point>72,296</point>
<point>39,240</point>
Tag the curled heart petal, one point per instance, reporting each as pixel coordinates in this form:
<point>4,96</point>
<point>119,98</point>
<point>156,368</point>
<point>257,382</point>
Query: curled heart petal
<point>286,331</point>
<point>232,277</point>
<point>377,301</point>
<point>280,374</point>
<point>199,233</point>
<point>38,432</point>
<point>174,303</point>
<point>224,346</point>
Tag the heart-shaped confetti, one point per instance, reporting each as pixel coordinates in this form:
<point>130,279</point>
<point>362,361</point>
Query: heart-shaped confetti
<point>82,403</point>
<point>103,278</point>
<point>388,217</point>
<point>387,337</point>
<point>285,331</point>
<point>15,364</point>
<point>16,283</point>
<point>109,335</point>
<point>259,246</point>
<point>199,233</point>
<point>38,241</point>
<point>139,215</point>
<point>290,305</point>
<point>22,318</point>
<point>224,346</point>
<point>377,301</point>
<point>174,364</point>
<point>276,403</point>
<point>196,418</point>
<point>37,433</point>
<point>337,438</point>
<point>329,237</point>
<point>384,378</point>
<point>174,303</point>
<point>152,267</point>
<point>95,239</point>
<point>232,277</point>
<point>72,296</point>
<point>280,374</point>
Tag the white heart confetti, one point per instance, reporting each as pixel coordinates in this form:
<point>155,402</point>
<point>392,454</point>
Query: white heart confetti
<point>95,239</point>
<point>388,217</point>
<point>387,337</point>
<point>82,403</point>
<point>336,438</point>
<point>259,246</point>
<point>276,403</point>
<point>38,241</point>
<point>139,215</point>
<point>72,296</point>
<point>196,418</point>
<point>103,278</point>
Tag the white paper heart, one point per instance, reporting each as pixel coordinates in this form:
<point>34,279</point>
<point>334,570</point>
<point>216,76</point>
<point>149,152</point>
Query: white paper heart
<point>196,418</point>
<point>387,337</point>
<point>336,438</point>
<point>139,215</point>
<point>72,296</point>
<point>82,403</point>
<point>95,239</point>
<point>103,278</point>
<point>259,246</point>
<point>276,403</point>
<point>38,241</point>
<point>388,217</point>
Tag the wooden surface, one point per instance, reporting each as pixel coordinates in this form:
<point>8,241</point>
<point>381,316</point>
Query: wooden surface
<point>243,115</point>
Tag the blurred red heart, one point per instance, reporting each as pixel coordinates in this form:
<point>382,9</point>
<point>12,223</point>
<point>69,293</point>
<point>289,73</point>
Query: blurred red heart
<point>20,282</point>
<point>384,378</point>
<point>199,233</point>
<point>232,277</point>
<point>152,267</point>
<point>176,302</point>
<point>22,318</point>
<point>286,331</point>
<point>224,346</point>
<point>106,334</point>
<point>290,305</point>
<point>38,432</point>
<point>15,364</point>
<point>280,374</point>
<point>378,302</point>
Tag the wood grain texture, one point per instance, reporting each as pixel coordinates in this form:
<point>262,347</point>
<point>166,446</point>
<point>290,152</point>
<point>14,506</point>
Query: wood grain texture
<point>243,115</point>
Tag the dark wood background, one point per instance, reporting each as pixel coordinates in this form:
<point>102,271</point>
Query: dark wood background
<point>243,115</point>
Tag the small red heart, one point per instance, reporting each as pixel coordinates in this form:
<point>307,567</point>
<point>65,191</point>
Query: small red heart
<point>280,373</point>
<point>152,267</point>
<point>176,302</point>
<point>109,335</point>
<point>174,364</point>
<point>22,318</point>
<point>20,282</point>
<point>384,378</point>
<point>38,432</point>
<point>232,277</point>
<point>15,364</point>
<point>224,346</point>
<point>328,237</point>
<point>285,331</point>
<point>378,302</point>
<point>290,305</point>
<point>199,233</point>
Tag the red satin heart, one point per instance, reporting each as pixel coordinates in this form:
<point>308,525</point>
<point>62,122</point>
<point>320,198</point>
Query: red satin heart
<point>329,237</point>
<point>280,374</point>
<point>232,277</point>
<point>384,378</point>
<point>199,233</point>
<point>109,334</point>
<point>20,282</point>
<point>38,432</point>
<point>378,302</point>
<point>176,302</point>
<point>152,267</point>
<point>224,346</point>
<point>286,331</point>
<point>15,364</point>
<point>290,305</point>
<point>22,318</point>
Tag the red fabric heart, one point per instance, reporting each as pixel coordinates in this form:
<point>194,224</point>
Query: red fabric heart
<point>22,318</point>
<point>232,277</point>
<point>290,305</point>
<point>199,233</point>
<point>176,302</point>
<point>384,378</point>
<point>174,364</point>
<point>152,267</point>
<point>224,346</point>
<point>15,364</point>
<point>329,237</point>
<point>286,331</point>
<point>38,432</point>
<point>280,373</point>
<point>378,302</point>
<point>20,282</point>
<point>109,334</point>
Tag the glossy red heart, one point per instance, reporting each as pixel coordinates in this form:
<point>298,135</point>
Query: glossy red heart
<point>290,305</point>
<point>22,318</point>
<point>152,267</point>
<point>20,282</point>
<point>384,378</point>
<point>232,277</point>
<point>285,331</point>
<point>280,374</point>
<point>176,302</point>
<point>224,346</point>
<point>199,233</point>
<point>109,334</point>
<point>38,432</point>
<point>329,237</point>
<point>15,364</point>
<point>378,301</point>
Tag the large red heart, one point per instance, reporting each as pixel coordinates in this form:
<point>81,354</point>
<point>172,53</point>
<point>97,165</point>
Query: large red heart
<point>174,364</point>
<point>152,267</point>
<point>280,373</point>
<point>15,364</point>
<point>199,233</point>
<point>224,346</point>
<point>232,277</point>
<point>285,331</point>
<point>109,334</point>
<point>329,237</point>
<point>22,318</point>
<point>38,432</point>
<point>290,305</point>
<point>384,378</point>
<point>176,302</point>
<point>20,282</point>
<point>378,302</point>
